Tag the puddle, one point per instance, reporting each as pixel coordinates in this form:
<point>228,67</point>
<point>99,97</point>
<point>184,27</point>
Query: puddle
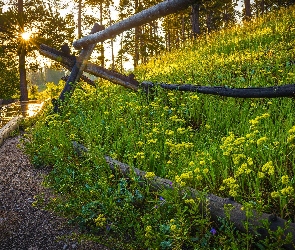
<point>26,109</point>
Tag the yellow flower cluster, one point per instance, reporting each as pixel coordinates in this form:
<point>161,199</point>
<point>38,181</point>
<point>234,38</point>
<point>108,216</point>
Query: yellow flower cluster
<point>175,118</point>
<point>139,155</point>
<point>237,158</point>
<point>285,179</point>
<point>190,201</point>
<point>148,231</point>
<point>291,136</point>
<point>181,130</point>
<point>268,168</point>
<point>254,122</point>
<point>231,184</point>
<point>287,191</point>
<point>179,146</point>
<point>169,132</point>
<point>149,175</point>
<point>243,169</point>
<point>100,220</point>
<point>261,140</point>
<point>183,178</point>
<point>194,97</point>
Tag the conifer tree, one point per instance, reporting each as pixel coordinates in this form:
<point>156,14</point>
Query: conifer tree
<point>25,26</point>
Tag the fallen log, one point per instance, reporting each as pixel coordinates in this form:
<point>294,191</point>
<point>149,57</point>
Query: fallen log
<point>160,10</point>
<point>261,92</point>
<point>216,206</point>
<point>90,68</point>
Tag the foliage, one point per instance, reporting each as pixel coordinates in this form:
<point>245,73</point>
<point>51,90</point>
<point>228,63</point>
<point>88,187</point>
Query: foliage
<point>8,78</point>
<point>230,147</point>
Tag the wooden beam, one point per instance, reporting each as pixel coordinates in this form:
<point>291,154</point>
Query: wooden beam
<point>162,9</point>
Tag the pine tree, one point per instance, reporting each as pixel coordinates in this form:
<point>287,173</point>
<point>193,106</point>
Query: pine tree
<point>41,22</point>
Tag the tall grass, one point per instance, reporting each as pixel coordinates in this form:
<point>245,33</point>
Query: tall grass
<point>230,147</point>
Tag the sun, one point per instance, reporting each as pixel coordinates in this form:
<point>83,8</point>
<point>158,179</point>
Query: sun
<point>26,35</point>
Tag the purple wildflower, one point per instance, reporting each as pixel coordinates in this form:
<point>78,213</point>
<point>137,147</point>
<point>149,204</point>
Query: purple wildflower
<point>213,231</point>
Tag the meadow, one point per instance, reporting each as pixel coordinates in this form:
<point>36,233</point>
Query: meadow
<point>231,147</point>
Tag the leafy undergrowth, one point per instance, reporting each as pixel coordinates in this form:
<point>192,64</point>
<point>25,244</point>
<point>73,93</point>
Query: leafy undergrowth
<point>229,147</point>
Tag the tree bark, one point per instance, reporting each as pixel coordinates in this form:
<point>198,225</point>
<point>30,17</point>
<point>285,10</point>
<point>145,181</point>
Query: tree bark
<point>22,75</point>
<point>101,44</point>
<point>79,19</point>
<point>196,20</point>
<point>263,92</point>
<point>145,16</point>
<point>136,39</point>
<point>247,6</point>
<point>22,55</point>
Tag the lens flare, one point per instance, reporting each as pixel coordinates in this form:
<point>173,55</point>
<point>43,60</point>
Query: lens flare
<point>26,36</point>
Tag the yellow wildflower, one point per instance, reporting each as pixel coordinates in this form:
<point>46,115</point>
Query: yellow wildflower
<point>261,140</point>
<point>285,179</point>
<point>292,130</point>
<point>191,163</point>
<point>190,201</point>
<point>150,175</point>
<point>287,191</point>
<point>261,175</point>
<point>173,227</point>
<point>197,170</point>
<point>275,194</point>
<point>100,220</point>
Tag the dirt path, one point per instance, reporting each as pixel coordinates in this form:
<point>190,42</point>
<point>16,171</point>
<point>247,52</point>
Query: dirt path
<point>22,226</point>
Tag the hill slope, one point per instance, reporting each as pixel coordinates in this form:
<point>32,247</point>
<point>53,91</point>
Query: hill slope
<point>230,147</point>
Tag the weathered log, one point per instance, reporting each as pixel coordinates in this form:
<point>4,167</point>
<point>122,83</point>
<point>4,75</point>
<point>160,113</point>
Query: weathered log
<point>77,69</point>
<point>143,17</point>
<point>68,62</point>
<point>216,206</point>
<point>261,92</point>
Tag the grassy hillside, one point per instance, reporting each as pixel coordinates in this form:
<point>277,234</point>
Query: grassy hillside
<point>230,147</point>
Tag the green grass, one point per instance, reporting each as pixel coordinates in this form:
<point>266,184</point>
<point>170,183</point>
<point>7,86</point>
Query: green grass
<point>225,146</point>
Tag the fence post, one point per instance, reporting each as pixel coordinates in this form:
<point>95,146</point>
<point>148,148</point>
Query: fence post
<point>77,69</point>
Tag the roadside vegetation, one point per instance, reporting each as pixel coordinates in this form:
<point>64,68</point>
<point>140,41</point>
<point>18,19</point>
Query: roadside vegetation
<point>240,148</point>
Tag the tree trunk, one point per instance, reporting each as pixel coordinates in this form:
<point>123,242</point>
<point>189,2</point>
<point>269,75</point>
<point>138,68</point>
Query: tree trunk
<point>183,29</point>
<point>22,75</point>
<point>262,6</point>
<point>209,21</point>
<point>136,39</point>
<point>247,9</point>
<point>79,19</point>
<point>112,46</point>
<point>101,44</point>
<point>196,20</point>
<point>22,55</point>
